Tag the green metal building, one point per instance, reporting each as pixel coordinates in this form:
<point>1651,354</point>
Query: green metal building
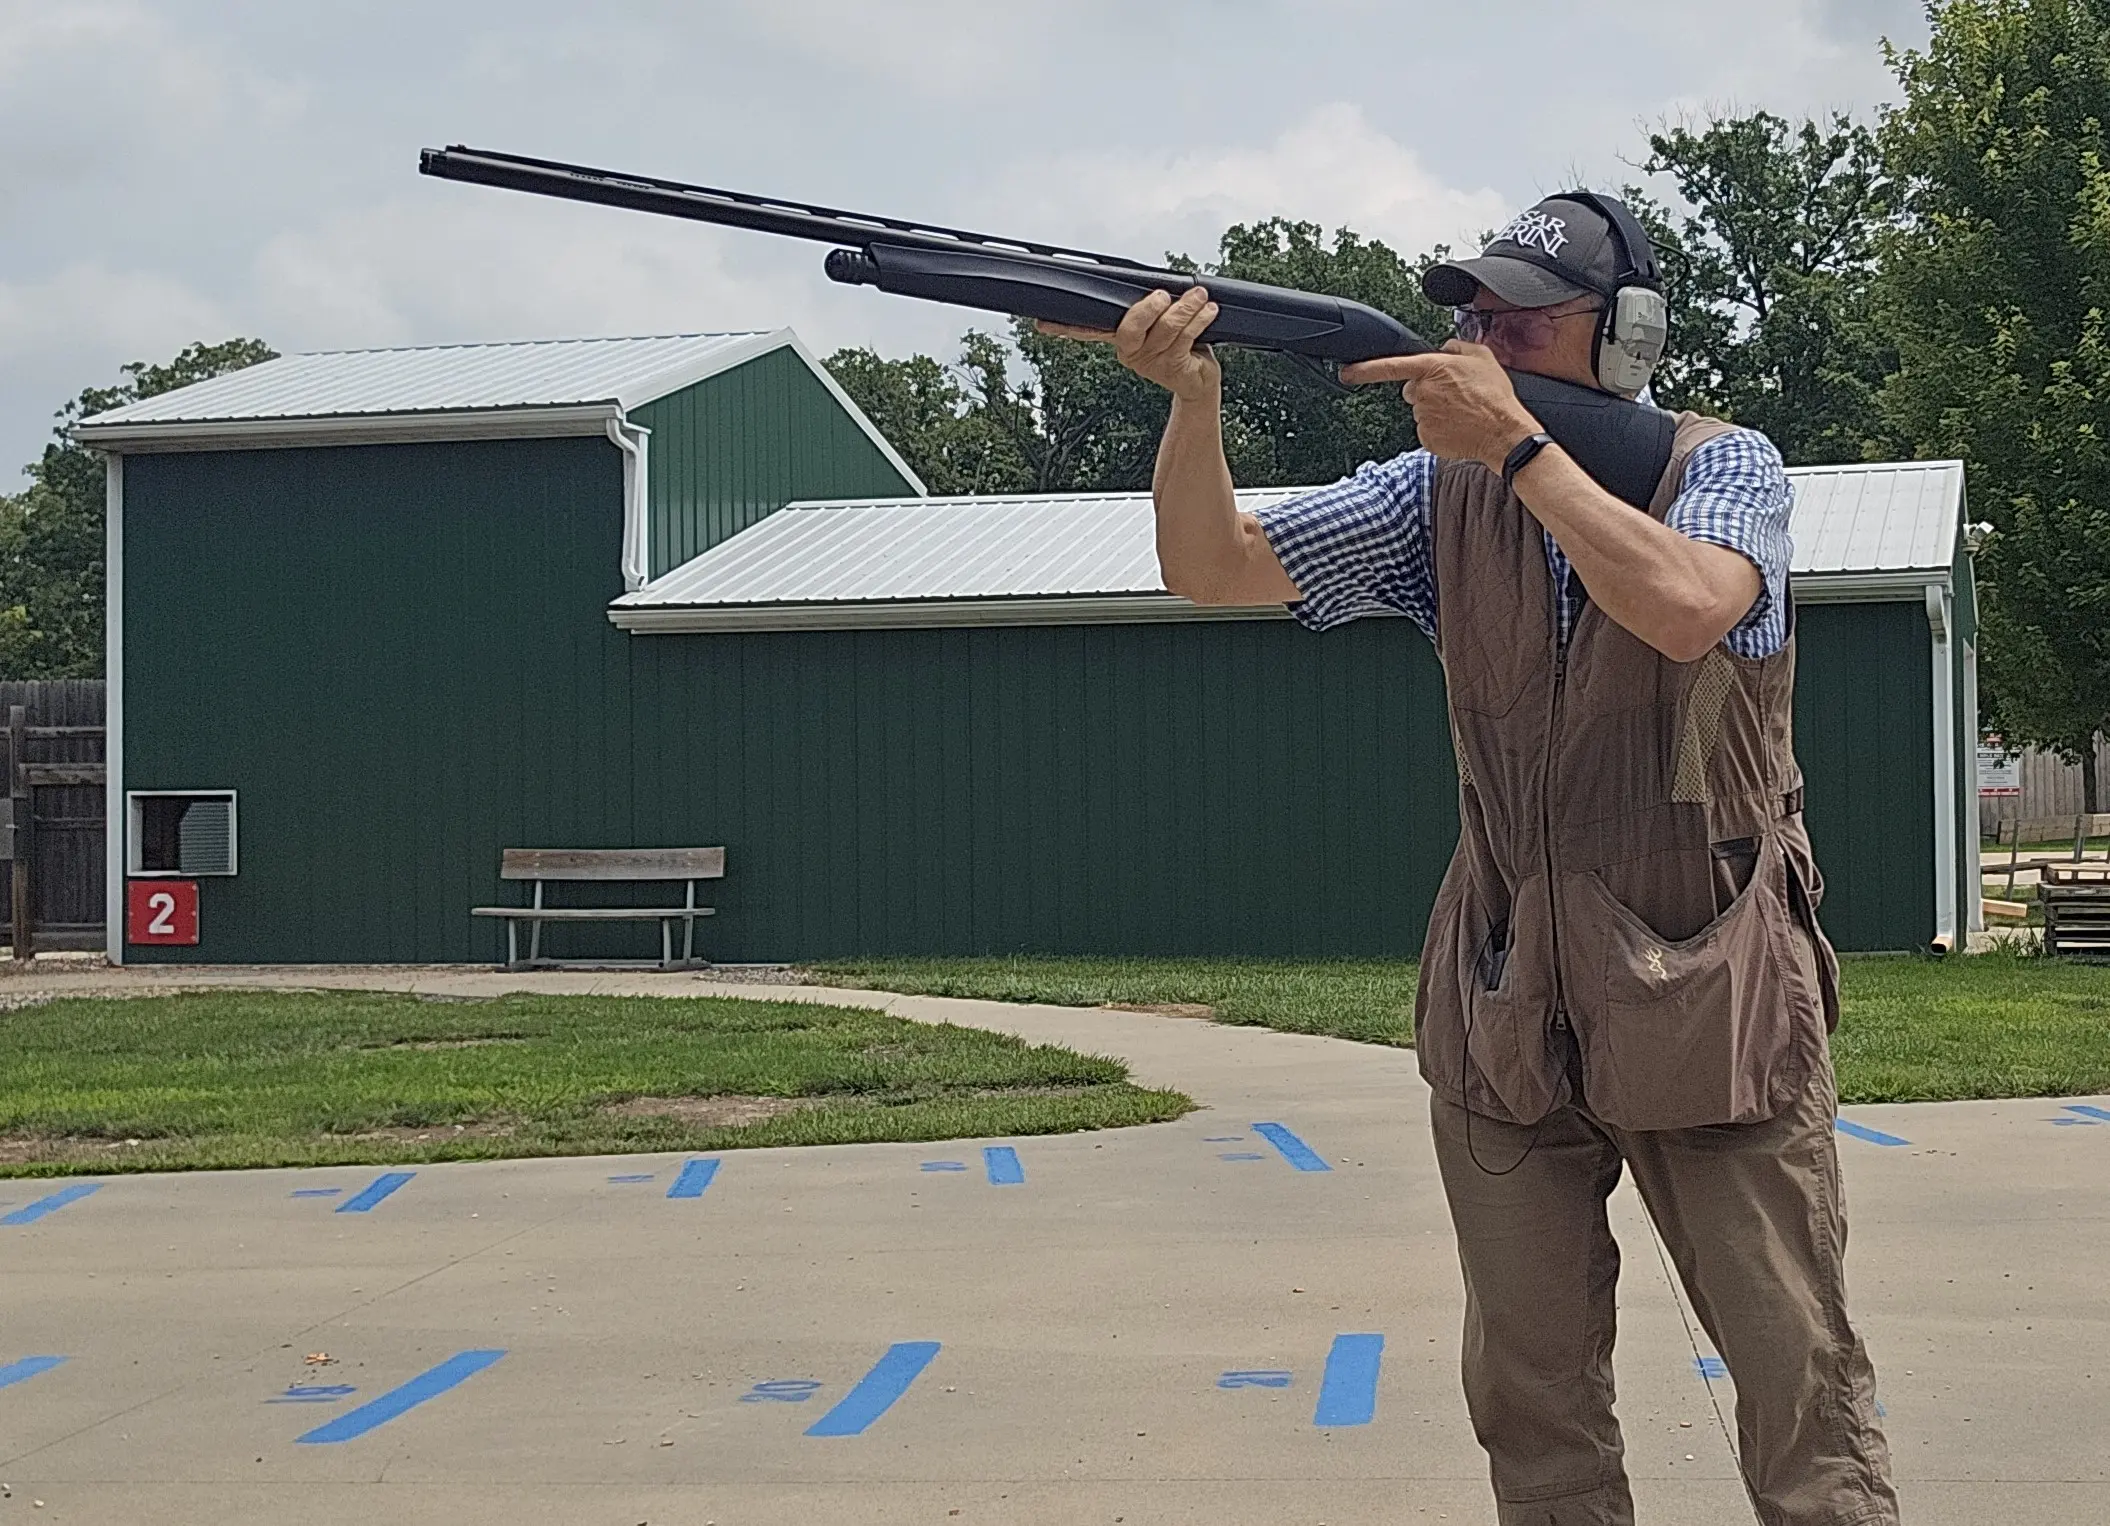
<point>377,616</point>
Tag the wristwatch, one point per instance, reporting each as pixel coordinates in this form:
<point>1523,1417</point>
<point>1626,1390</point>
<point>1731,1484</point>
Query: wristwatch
<point>1523,455</point>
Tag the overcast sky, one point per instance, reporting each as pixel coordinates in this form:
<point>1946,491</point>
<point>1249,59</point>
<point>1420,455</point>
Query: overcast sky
<point>173,171</point>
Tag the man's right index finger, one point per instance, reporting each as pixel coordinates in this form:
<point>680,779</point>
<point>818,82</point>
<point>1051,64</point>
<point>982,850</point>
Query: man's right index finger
<point>1397,368</point>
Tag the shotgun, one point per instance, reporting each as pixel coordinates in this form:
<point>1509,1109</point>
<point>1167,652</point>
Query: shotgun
<point>1623,445</point>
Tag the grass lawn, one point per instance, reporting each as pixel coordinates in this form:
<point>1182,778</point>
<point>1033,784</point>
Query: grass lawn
<point>1911,1029</point>
<point>223,1079</point>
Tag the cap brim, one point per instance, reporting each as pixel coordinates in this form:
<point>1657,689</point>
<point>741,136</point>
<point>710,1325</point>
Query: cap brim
<point>1454,283</point>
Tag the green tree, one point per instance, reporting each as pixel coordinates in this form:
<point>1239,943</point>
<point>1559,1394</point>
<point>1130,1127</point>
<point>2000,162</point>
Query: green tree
<point>1995,292</point>
<point>934,415</point>
<point>51,534</point>
<point>1282,428</point>
<point>1768,277</point>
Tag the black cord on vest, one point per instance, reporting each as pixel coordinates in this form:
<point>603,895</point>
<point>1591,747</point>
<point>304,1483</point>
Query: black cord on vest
<point>1465,1064</point>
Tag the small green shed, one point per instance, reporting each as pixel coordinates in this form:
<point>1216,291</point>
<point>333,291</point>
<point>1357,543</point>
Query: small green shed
<point>377,615</point>
<point>357,638</point>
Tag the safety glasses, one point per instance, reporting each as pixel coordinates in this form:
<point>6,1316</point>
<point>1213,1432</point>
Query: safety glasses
<point>1528,328</point>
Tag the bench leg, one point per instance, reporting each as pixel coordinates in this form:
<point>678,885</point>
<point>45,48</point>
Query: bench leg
<point>512,944</point>
<point>666,943</point>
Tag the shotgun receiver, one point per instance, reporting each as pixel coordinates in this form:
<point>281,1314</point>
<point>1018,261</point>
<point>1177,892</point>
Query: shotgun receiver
<point>1623,445</point>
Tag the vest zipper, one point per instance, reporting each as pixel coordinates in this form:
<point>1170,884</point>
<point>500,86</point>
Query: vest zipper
<point>1553,920</point>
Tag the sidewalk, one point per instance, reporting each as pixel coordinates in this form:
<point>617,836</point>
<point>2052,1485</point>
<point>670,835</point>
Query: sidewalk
<point>1162,1325</point>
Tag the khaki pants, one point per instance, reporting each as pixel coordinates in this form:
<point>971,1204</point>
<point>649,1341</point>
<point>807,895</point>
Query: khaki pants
<point>1755,1223</point>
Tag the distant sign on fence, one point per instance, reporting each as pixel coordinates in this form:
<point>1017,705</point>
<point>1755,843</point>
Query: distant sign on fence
<point>1999,771</point>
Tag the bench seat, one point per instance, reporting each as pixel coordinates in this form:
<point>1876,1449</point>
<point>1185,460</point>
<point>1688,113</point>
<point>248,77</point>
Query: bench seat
<point>593,913</point>
<point>548,866</point>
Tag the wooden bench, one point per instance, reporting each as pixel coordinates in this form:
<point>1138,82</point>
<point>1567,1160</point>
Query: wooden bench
<point>552,866</point>
<point>2013,834</point>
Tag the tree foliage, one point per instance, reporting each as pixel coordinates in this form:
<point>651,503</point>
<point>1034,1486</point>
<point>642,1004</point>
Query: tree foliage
<point>51,534</point>
<point>1768,276</point>
<point>1995,292</point>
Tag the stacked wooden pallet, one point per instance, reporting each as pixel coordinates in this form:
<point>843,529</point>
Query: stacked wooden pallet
<point>2076,899</point>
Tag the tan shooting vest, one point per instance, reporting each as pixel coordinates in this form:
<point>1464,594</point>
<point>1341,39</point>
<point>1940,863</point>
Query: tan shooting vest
<point>1631,868</point>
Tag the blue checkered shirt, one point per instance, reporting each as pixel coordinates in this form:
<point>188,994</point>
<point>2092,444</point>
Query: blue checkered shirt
<point>1362,546</point>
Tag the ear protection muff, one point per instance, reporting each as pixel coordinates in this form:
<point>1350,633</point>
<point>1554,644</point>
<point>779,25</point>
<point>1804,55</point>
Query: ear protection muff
<point>1635,324</point>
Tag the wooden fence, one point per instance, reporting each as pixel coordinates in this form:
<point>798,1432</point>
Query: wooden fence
<point>53,751</point>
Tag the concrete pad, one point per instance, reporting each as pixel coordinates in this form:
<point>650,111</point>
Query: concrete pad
<point>1139,1330</point>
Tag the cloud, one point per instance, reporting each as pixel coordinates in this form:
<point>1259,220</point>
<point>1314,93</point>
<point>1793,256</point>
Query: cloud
<point>1332,167</point>
<point>462,263</point>
<point>133,314</point>
<point>963,48</point>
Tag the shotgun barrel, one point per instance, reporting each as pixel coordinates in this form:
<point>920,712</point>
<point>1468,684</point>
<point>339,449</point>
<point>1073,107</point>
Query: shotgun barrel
<point>1622,444</point>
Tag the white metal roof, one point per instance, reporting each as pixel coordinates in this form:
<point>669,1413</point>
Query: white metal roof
<point>538,373</point>
<point>1892,517</point>
<point>1038,559</point>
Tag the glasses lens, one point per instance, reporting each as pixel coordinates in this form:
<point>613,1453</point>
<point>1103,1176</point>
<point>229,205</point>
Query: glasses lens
<point>1527,329</point>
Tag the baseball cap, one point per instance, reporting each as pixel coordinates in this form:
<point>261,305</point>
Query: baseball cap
<point>1558,250</point>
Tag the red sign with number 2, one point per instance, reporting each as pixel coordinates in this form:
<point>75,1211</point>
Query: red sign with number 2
<point>161,911</point>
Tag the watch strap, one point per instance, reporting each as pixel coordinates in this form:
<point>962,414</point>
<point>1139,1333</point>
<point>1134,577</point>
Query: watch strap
<point>1522,455</point>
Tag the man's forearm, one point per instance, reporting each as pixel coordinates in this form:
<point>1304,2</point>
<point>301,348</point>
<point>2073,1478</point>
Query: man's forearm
<point>1207,550</point>
<point>1679,595</point>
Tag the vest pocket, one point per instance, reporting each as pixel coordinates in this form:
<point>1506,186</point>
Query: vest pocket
<point>1805,894</point>
<point>1693,1031</point>
<point>1481,1020</point>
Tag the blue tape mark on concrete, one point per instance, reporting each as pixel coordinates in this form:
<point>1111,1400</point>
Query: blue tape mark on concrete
<point>1710,1367</point>
<point>380,1187</point>
<point>695,1176</point>
<point>2073,1123</point>
<point>2089,1110</point>
<point>1241,1155</point>
<point>1863,1131</point>
<point>944,1165</point>
<point>1001,1162</point>
<point>1348,1391</point>
<point>1293,1149</point>
<point>317,1191</point>
<point>877,1390</point>
<point>1254,1378</point>
<point>632,1176</point>
<point>316,1393</point>
<point>1225,1139</point>
<point>457,1369</point>
<point>27,1368</point>
<point>1881,1413</point>
<point>29,1213</point>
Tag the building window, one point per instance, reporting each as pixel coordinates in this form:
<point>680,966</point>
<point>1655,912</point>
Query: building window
<point>181,832</point>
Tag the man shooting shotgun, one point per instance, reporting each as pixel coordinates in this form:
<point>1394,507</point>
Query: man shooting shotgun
<point>1623,968</point>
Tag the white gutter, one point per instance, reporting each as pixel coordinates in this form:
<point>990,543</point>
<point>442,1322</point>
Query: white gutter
<point>929,614</point>
<point>1865,587</point>
<point>115,821</point>
<point>349,429</point>
<point>632,440</point>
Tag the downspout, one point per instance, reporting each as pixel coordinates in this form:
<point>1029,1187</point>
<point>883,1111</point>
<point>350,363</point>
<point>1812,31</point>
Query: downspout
<point>116,819</point>
<point>632,440</point>
<point>1947,936</point>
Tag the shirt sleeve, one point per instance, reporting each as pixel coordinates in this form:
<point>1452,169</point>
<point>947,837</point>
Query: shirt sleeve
<point>1361,547</point>
<point>1736,494</point>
